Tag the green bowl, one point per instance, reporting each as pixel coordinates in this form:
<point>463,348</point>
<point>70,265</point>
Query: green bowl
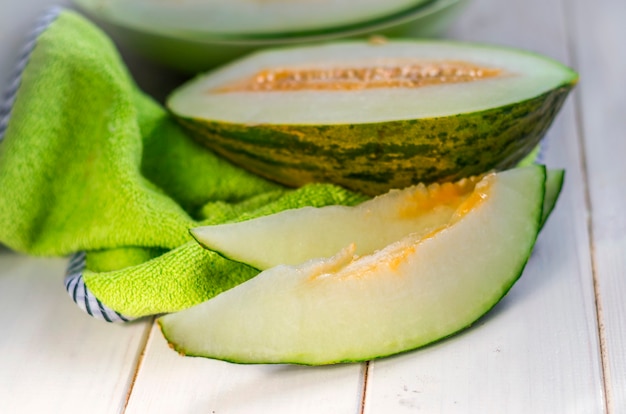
<point>193,53</point>
<point>249,19</point>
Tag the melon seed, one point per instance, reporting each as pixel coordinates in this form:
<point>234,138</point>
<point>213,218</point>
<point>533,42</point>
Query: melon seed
<point>357,78</point>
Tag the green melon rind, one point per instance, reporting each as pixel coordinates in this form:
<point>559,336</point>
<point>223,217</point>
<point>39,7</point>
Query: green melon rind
<point>539,216</point>
<point>375,157</point>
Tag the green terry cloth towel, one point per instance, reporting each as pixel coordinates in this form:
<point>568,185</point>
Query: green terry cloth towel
<point>92,168</point>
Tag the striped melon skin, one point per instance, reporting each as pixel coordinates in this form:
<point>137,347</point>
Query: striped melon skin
<point>388,155</point>
<point>348,138</point>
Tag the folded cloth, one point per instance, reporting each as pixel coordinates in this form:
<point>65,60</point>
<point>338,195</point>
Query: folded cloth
<point>92,167</point>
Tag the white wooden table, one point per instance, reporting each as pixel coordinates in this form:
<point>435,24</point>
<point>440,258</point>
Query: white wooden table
<point>555,344</point>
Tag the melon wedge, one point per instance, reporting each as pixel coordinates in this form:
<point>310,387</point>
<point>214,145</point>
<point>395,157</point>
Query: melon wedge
<point>352,308</point>
<point>372,117</point>
<point>294,236</point>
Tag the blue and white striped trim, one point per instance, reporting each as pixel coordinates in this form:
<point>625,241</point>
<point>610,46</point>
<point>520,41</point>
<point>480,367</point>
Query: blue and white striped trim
<point>8,98</point>
<point>87,301</point>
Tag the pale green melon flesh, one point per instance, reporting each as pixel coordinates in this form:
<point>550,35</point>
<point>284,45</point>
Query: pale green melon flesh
<point>247,17</point>
<point>409,294</point>
<point>525,76</point>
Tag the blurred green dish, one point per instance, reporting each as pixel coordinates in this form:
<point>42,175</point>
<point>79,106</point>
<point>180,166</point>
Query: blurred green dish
<point>194,52</point>
<point>249,19</point>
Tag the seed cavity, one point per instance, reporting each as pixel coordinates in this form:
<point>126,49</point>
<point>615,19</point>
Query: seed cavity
<point>425,199</point>
<point>413,75</point>
<point>481,193</point>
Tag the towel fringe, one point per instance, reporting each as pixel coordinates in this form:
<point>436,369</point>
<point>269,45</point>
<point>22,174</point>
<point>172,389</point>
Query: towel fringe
<point>10,93</point>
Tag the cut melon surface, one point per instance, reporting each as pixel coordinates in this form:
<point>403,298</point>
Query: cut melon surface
<point>410,293</point>
<point>355,82</point>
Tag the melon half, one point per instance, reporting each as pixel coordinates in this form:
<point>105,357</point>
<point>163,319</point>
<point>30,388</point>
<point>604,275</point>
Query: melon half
<point>371,117</point>
<point>349,307</point>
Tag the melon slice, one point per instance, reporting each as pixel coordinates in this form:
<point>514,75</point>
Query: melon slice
<point>372,117</point>
<point>294,236</point>
<point>352,308</point>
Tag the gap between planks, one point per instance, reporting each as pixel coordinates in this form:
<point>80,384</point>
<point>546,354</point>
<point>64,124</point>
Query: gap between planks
<point>364,375</point>
<point>570,28</point>
<point>139,361</point>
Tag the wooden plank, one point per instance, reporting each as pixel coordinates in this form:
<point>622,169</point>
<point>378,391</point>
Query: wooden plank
<point>598,44</point>
<point>53,357</point>
<point>537,351</point>
<point>170,383</point>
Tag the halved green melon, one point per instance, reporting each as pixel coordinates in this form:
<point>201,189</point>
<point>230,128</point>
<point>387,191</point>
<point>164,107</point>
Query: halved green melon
<point>297,235</point>
<point>250,18</point>
<point>372,117</point>
<point>352,308</point>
